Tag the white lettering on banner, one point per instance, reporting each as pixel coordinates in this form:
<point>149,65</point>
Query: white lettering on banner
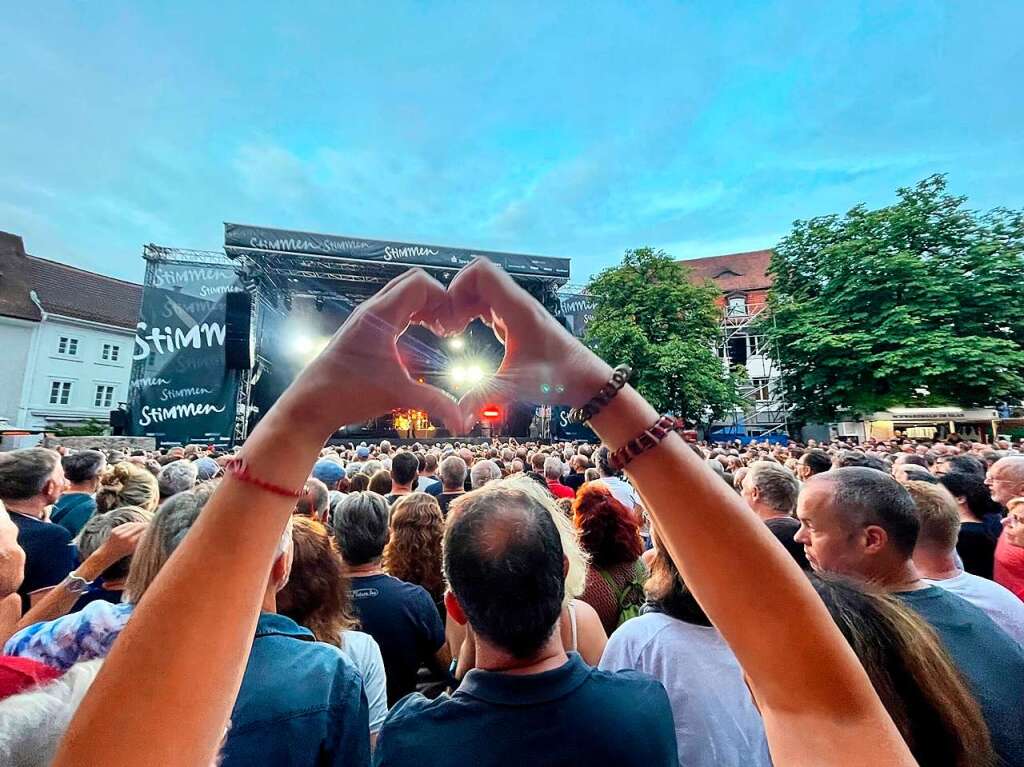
<point>191,391</point>
<point>165,340</point>
<point>145,383</point>
<point>412,251</point>
<point>177,277</point>
<point>298,245</point>
<point>190,410</point>
<point>215,290</point>
<point>563,418</point>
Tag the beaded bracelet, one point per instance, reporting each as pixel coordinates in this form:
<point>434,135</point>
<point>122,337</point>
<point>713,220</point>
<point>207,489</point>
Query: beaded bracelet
<point>620,376</point>
<point>237,469</point>
<point>650,438</point>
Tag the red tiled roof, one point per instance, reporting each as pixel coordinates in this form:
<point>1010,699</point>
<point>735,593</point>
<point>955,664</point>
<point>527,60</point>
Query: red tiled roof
<point>733,272</point>
<point>63,289</point>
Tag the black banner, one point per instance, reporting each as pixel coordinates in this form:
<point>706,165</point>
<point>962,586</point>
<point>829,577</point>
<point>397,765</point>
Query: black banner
<point>306,243</point>
<point>181,390</point>
<point>562,428</point>
<point>577,309</point>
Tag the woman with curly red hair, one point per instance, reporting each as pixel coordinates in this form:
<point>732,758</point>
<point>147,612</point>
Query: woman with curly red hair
<point>610,533</point>
<point>413,551</point>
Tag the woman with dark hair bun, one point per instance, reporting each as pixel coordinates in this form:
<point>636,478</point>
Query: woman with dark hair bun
<point>610,534</point>
<point>980,523</point>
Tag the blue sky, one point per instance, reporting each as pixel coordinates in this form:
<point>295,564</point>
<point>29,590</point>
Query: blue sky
<point>568,129</point>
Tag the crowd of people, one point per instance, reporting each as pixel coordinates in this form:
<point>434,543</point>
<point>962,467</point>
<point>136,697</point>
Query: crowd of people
<point>491,602</point>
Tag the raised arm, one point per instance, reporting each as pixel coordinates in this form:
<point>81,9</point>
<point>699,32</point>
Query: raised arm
<point>181,657</point>
<point>818,704</point>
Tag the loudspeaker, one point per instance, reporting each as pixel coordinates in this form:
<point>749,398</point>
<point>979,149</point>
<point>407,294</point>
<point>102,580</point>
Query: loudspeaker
<point>239,343</point>
<point>119,422</point>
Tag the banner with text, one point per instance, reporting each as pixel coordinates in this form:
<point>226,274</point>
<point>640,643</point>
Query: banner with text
<point>577,308</point>
<point>240,236</point>
<point>181,390</point>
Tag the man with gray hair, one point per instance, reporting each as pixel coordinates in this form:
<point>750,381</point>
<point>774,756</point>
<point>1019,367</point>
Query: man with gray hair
<point>483,472</point>
<point>453,471</point>
<point>30,481</point>
<point>553,477</point>
<point>771,491</point>
<point>176,477</point>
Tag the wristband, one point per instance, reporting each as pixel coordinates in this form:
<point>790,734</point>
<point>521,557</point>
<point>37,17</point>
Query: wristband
<point>236,468</point>
<point>620,376</point>
<point>643,442</point>
<point>76,584</point>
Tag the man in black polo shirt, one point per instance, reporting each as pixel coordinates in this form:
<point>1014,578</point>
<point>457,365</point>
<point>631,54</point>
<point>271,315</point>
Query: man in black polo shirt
<point>30,481</point>
<point>527,701</point>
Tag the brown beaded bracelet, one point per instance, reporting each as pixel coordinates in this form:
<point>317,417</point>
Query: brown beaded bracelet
<point>620,377</point>
<point>642,443</point>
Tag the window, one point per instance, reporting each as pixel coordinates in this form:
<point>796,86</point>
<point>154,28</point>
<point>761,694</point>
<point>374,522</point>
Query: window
<point>737,306</point>
<point>104,396</point>
<point>754,345</point>
<point>60,392</point>
<point>111,353</point>
<point>67,345</point>
<point>761,393</point>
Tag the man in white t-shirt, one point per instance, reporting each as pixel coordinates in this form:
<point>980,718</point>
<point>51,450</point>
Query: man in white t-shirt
<point>621,489</point>
<point>935,559</point>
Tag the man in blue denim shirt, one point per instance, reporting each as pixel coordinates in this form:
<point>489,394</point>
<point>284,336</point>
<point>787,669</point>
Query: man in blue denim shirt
<point>301,701</point>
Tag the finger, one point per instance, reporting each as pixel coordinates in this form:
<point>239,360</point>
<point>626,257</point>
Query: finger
<point>436,402</point>
<point>482,288</point>
<point>413,296</point>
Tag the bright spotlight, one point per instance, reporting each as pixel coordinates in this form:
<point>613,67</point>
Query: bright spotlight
<point>458,374</point>
<point>466,373</point>
<point>457,343</point>
<point>474,374</point>
<point>303,345</point>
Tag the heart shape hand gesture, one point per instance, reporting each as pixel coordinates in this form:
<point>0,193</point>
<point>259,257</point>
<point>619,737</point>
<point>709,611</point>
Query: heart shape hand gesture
<point>360,375</point>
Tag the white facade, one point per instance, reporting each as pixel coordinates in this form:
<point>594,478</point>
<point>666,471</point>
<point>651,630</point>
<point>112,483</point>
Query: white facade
<point>16,342</point>
<point>73,370</point>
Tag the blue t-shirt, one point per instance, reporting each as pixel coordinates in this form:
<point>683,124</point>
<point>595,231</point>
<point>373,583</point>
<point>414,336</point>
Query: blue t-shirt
<point>404,620</point>
<point>989,659</point>
<point>301,702</point>
<point>72,511</point>
<point>572,715</point>
<point>48,554</point>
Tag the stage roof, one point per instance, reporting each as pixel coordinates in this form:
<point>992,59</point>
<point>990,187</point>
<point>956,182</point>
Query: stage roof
<point>287,250</point>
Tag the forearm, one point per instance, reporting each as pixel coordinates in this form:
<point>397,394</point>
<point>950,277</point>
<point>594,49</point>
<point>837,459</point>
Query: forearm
<point>750,588</point>
<point>217,578</point>
<point>59,600</point>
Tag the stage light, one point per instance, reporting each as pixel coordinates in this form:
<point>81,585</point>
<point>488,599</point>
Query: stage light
<point>302,345</point>
<point>468,373</point>
<point>474,374</point>
<point>457,343</point>
<point>491,412</point>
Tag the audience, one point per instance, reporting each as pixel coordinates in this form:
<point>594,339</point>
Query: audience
<point>716,722</point>
<point>413,550</point>
<point>1006,481</point>
<point>553,478</point>
<point>453,480</point>
<point>400,616</point>
<point>482,473</point>
<point>860,522</point>
<point>404,474</point>
<point>771,491</point>
<point>125,484</point>
<point>935,559</point>
<point>177,477</point>
<point>980,522</point>
<point>610,534</point>
<point>314,501</point>
<point>380,482</point>
<point>82,471</point>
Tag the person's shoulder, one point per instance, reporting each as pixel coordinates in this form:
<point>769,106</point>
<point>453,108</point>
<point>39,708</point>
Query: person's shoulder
<point>628,690</point>
<point>45,531</point>
<point>359,644</point>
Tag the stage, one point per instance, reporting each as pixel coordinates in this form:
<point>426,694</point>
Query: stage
<point>221,335</point>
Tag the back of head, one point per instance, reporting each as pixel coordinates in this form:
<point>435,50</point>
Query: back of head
<point>380,482</point>
<point>604,465</point>
<point>919,685</point>
<point>914,459</point>
<point>609,531</point>
<point>553,468</point>
<point>453,472</point>
<point>413,551</point>
<point>165,533</point>
<point>938,515</point>
<point>816,460</point>
<point>177,477</point>
<point>99,527</point>
<point>404,468</point>
<point>126,484</point>
<point>966,464</point>
<point>358,483</point>
<point>430,463</point>
<point>329,471</point>
<point>314,501</point>
<point>483,472</point>
<point>777,487</point>
<point>84,466</point>
<point>537,461</point>
<point>864,496</point>
<point>503,561</point>
<point>24,473</point>
<point>361,527</point>
<point>667,589</point>
<point>915,473</point>
<point>317,594</point>
<point>853,458</point>
<point>973,491</point>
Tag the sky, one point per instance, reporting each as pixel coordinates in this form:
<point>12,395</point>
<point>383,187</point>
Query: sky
<point>563,129</point>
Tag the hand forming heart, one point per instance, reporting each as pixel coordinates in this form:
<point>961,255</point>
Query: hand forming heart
<point>360,375</point>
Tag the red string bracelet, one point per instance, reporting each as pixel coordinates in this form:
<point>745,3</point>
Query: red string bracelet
<point>236,468</point>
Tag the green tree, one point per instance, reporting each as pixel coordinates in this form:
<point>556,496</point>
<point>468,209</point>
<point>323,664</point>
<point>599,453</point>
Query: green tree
<point>918,303</point>
<point>91,428</point>
<point>648,315</point>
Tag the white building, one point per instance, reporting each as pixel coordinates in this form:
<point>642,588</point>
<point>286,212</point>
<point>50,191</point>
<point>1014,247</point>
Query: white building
<point>67,336</point>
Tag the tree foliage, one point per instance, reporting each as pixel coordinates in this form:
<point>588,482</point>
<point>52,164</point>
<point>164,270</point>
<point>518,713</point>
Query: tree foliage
<point>918,303</point>
<point>647,314</point>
